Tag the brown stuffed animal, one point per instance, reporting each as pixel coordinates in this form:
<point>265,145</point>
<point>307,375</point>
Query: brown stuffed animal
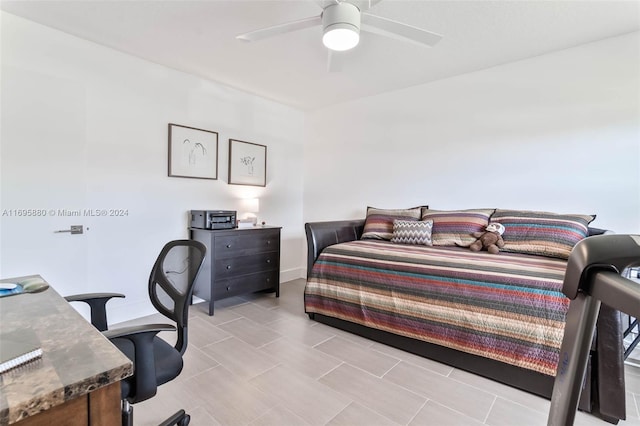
<point>490,239</point>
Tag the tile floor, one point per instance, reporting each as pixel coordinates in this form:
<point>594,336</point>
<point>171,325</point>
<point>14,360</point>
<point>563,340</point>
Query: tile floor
<point>260,361</point>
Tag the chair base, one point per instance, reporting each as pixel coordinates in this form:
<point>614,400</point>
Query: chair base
<point>127,413</point>
<point>178,419</point>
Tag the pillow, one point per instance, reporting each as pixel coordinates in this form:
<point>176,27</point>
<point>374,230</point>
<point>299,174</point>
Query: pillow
<point>454,227</point>
<point>379,222</point>
<point>412,232</point>
<point>542,233</point>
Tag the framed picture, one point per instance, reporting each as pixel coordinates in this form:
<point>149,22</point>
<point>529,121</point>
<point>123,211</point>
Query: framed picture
<point>193,153</point>
<point>247,163</point>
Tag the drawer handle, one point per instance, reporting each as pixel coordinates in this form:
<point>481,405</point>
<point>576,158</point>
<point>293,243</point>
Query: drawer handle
<point>268,279</point>
<point>228,288</point>
<point>268,260</point>
<point>228,266</point>
<point>268,242</point>
<point>228,245</point>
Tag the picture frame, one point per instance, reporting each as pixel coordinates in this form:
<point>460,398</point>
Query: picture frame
<point>193,153</point>
<point>247,163</point>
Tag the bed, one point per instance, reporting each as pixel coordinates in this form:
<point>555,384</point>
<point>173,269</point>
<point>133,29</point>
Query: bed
<point>500,316</point>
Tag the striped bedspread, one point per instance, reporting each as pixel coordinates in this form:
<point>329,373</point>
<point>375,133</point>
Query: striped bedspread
<point>507,307</point>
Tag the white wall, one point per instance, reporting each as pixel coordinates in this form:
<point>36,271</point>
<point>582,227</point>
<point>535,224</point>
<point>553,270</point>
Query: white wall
<point>559,132</point>
<point>85,127</point>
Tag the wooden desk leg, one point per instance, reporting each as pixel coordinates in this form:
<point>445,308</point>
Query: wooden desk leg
<point>104,406</point>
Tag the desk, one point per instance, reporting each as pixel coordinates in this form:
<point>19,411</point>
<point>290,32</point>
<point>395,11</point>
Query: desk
<point>77,381</point>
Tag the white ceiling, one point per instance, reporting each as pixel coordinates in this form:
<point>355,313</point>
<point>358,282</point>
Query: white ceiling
<point>198,37</point>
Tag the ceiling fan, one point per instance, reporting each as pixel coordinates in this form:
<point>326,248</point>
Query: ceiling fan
<point>342,22</point>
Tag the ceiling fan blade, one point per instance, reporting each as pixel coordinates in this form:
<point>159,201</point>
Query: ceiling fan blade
<point>335,60</point>
<point>280,29</point>
<point>388,28</point>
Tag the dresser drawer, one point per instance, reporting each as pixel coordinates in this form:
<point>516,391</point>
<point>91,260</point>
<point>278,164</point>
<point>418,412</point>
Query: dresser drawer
<point>240,265</point>
<point>238,261</point>
<point>246,284</point>
<point>247,243</point>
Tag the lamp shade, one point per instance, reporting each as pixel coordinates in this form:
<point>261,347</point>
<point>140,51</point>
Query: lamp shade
<point>251,205</point>
<point>341,26</point>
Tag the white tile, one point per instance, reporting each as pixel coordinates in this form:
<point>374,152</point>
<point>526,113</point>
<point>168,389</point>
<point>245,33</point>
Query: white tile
<point>359,415</point>
<point>354,338</point>
<point>240,358</point>
<point>436,414</point>
<point>374,362</point>
<point>202,333</point>
<point>300,358</point>
<point>228,399</point>
<point>171,397</point>
<point>632,381</point>
<point>391,401</point>
<point>507,392</point>
<point>195,362</point>
<point>279,416</point>
<point>508,413</point>
<point>301,329</point>
<point>451,393</point>
<point>250,332</point>
<point>307,398</point>
<point>427,363</point>
<point>257,313</point>
<point>221,314</point>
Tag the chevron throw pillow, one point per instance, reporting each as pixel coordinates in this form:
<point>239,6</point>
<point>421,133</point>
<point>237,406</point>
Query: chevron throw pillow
<point>412,232</point>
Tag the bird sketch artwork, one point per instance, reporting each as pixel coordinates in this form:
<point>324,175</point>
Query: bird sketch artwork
<point>193,152</point>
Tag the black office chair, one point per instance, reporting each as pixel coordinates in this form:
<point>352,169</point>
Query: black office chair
<point>155,361</point>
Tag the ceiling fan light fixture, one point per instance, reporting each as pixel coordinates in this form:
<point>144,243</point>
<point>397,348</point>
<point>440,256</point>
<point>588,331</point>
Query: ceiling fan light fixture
<point>341,37</point>
<point>341,26</point>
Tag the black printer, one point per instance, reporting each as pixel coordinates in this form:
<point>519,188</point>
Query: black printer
<point>213,219</point>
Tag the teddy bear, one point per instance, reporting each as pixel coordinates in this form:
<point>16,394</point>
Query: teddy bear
<point>490,239</point>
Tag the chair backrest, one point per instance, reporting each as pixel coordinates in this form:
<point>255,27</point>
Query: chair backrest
<point>172,280</point>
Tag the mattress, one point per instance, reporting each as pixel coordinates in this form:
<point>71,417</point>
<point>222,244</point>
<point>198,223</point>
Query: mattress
<point>508,307</point>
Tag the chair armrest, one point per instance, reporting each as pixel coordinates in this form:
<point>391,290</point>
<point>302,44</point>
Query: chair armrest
<point>144,365</point>
<point>97,302</point>
<point>131,331</point>
<point>87,296</point>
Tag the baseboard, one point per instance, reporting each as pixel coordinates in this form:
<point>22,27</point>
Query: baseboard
<point>292,274</point>
<point>131,311</point>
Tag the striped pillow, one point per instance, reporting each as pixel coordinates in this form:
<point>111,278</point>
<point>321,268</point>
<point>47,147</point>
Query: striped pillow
<point>412,232</point>
<point>454,227</point>
<point>542,233</point>
<point>379,222</point>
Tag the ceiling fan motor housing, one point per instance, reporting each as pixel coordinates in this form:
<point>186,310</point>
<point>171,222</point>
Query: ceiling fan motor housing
<point>344,19</point>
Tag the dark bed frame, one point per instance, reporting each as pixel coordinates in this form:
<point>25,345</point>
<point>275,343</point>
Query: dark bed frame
<point>603,390</point>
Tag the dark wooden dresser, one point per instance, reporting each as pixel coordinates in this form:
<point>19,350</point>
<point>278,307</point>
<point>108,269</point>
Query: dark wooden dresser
<point>238,261</point>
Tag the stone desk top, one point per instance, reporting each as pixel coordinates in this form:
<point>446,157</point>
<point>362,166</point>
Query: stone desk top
<point>76,360</point>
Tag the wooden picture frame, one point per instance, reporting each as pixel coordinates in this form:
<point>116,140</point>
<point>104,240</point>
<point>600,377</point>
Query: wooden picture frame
<point>193,153</point>
<point>247,163</point>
